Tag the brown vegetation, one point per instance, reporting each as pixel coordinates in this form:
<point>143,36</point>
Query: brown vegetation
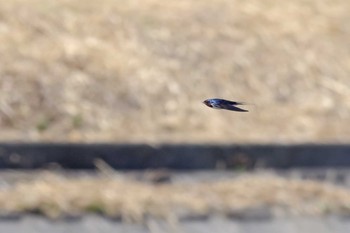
<point>116,196</point>
<point>124,71</point>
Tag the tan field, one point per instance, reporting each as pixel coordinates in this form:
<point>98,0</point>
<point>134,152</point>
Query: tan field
<point>117,196</point>
<point>138,71</point>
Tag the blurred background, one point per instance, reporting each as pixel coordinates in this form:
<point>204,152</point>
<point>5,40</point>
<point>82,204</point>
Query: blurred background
<point>127,72</point>
<point>138,71</point>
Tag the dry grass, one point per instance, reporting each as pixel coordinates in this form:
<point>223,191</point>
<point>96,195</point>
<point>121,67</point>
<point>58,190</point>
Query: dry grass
<point>133,70</point>
<point>54,195</point>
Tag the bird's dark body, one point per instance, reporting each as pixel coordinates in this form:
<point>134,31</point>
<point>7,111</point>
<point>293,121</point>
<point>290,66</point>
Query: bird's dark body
<point>224,104</point>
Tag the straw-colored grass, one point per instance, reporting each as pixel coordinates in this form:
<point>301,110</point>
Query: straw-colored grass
<point>55,195</point>
<point>115,70</point>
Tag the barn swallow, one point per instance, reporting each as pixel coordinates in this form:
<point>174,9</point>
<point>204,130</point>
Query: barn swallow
<point>224,104</point>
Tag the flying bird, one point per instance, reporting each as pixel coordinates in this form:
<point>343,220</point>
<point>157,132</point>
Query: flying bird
<point>224,104</point>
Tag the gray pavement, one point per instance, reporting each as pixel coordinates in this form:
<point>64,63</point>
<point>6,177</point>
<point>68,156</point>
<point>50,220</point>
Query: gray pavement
<point>90,224</point>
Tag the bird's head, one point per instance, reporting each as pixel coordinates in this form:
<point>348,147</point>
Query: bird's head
<point>208,103</point>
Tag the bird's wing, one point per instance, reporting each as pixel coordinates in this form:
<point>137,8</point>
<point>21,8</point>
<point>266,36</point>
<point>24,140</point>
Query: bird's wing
<point>233,108</point>
<point>234,102</point>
